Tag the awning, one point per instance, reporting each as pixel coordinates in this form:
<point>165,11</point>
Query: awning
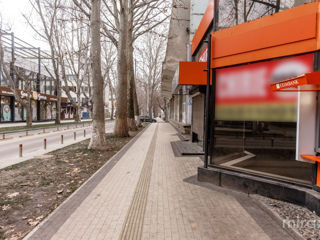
<point>306,82</point>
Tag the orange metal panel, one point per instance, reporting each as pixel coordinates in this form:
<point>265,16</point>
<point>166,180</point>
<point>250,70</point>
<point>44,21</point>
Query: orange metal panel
<point>316,159</point>
<point>268,53</point>
<point>309,78</point>
<point>318,175</point>
<point>203,27</point>
<point>286,33</point>
<point>192,73</point>
<point>311,157</point>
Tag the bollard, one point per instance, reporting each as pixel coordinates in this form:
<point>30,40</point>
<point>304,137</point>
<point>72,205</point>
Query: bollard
<point>3,136</point>
<point>84,133</point>
<point>75,136</point>
<point>61,139</point>
<point>45,144</point>
<point>27,132</point>
<point>20,150</point>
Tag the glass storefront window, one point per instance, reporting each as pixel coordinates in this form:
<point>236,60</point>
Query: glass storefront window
<point>49,111</point>
<point>34,110</point>
<point>5,109</point>
<point>255,128</point>
<point>18,112</point>
<point>43,110</point>
<point>54,110</point>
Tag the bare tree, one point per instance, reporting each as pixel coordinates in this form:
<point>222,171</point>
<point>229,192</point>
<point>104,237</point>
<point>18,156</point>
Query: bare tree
<point>48,13</point>
<point>123,22</point>
<point>151,55</point>
<point>98,140</point>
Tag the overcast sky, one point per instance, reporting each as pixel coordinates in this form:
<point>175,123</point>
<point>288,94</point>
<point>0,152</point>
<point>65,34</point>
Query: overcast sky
<point>11,12</point>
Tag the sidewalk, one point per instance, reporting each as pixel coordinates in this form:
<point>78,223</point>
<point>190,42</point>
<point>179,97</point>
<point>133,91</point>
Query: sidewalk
<point>145,192</point>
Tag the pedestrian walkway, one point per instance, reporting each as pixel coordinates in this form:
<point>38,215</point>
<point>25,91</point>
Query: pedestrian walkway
<point>145,192</point>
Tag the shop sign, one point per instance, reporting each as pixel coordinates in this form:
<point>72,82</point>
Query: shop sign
<point>35,95</point>
<point>42,97</point>
<point>24,94</point>
<point>288,84</point>
<point>54,99</point>
<point>6,92</point>
<point>204,55</point>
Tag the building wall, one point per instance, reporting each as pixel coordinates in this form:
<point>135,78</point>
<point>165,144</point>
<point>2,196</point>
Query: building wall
<point>197,9</point>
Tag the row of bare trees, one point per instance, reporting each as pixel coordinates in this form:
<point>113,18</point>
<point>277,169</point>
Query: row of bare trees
<point>85,36</point>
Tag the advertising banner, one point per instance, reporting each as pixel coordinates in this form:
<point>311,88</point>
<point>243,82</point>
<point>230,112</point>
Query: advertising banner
<point>244,92</point>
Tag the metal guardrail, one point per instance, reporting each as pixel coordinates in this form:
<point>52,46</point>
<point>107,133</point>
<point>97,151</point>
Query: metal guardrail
<point>27,132</point>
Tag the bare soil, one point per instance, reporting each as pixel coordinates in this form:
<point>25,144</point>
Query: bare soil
<point>31,190</point>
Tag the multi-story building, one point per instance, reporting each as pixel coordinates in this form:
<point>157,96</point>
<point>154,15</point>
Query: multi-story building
<point>30,78</point>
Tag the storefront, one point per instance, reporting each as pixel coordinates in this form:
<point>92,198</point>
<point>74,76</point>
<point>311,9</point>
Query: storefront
<point>253,128</point>
<point>43,106</point>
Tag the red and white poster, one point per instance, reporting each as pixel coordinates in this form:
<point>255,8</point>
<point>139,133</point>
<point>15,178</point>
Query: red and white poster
<point>203,57</point>
<point>244,92</point>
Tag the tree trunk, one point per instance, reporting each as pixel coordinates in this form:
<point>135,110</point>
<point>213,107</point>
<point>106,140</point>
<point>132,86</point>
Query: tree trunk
<point>131,120</point>
<point>98,141</point>
<point>136,106</point>
<point>121,125</point>
<point>58,107</point>
<point>29,113</point>
<point>79,106</point>
<point>150,103</point>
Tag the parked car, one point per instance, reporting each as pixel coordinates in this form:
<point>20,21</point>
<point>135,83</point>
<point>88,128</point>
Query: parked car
<point>147,119</point>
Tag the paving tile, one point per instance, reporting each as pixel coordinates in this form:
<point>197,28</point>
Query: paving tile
<point>173,208</point>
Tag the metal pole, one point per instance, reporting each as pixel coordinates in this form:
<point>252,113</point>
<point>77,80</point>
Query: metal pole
<point>3,136</point>
<point>206,133</point>
<point>209,132</point>
<point>84,133</point>
<point>45,144</point>
<point>61,139</point>
<point>20,150</point>
<point>75,136</point>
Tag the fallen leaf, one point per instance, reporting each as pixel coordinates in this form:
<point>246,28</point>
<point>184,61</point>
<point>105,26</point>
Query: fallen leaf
<point>24,217</point>
<point>5,207</point>
<point>60,191</point>
<point>9,231</point>
<point>39,218</point>
<point>32,222</point>
<point>12,195</point>
<point>76,170</point>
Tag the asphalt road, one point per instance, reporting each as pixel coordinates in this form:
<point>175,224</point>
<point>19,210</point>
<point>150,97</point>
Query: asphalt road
<point>33,145</point>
